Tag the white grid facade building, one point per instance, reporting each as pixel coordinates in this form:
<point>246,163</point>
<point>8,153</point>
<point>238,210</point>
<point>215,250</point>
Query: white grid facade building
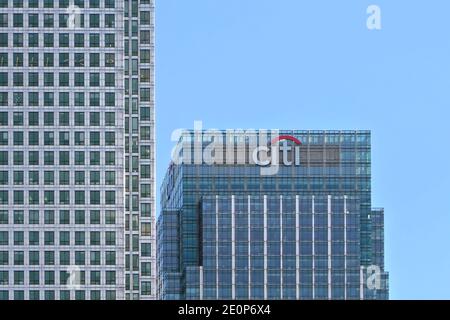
<point>62,149</point>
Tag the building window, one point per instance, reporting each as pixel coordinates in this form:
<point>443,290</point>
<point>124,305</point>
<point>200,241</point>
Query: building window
<point>95,197</point>
<point>80,258</point>
<point>3,79</point>
<point>64,138</point>
<point>17,20</point>
<point>80,295</point>
<point>94,138</point>
<point>18,40</point>
<point>110,20</point>
<point>4,138</point>
<point>33,99</point>
<point>64,197</point>
<point>80,197</point>
<point>49,277</point>
<point>79,138</point>
<point>33,197</point>
<point>63,40</point>
<point>79,158</point>
<point>110,158</point>
<point>4,157</point>
<point>110,258</point>
<point>145,94</point>
<point>110,138</point>
<point>33,138</point>
<point>79,217</point>
<point>49,99</point>
<point>64,158</point>
<point>64,82</point>
<point>79,59</point>
<point>110,177</point>
<point>3,39</point>
<point>94,79</point>
<point>146,229</point>
<point>4,258</point>
<point>94,60</point>
<point>110,217</point>
<point>48,40</point>
<point>49,197</point>
<point>33,40</point>
<point>48,20</point>
<point>94,21</point>
<point>95,258</point>
<point>110,60</point>
<point>80,178</point>
<point>64,239</point>
<point>3,59</point>
<point>48,3</point>
<point>110,238</point>
<point>145,17</point>
<point>18,258</point>
<point>63,3</point>
<point>79,96</point>
<point>3,20</point>
<point>94,178</point>
<point>64,217</point>
<point>95,278</point>
<point>146,250</point>
<point>110,119</point>
<point>18,198</point>
<point>95,158</point>
<point>33,238</point>
<point>109,3</point>
<point>64,60</point>
<point>4,278</point>
<point>34,258</point>
<point>110,277</point>
<point>19,278</point>
<point>64,258</point>
<point>110,99</point>
<point>94,99</point>
<point>95,217</point>
<point>95,238</point>
<point>79,79</point>
<point>110,41</point>
<point>33,119</point>
<point>33,60</point>
<point>63,118</point>
<point>94,40</point>
<point>110,80</point>
<point>79,238</point>
<point>33,177</point>
<point>146,288</point>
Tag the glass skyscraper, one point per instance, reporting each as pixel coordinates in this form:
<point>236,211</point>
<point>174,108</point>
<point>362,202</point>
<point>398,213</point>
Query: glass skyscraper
<point>76,149</point>
<point>270,215</point>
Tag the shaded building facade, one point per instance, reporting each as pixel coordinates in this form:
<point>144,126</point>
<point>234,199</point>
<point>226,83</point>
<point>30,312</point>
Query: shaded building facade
<point>139,83</point>
<point>305,230</point>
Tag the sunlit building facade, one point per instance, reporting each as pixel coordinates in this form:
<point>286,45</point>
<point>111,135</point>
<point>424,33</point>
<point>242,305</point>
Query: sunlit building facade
<point>77,150</point>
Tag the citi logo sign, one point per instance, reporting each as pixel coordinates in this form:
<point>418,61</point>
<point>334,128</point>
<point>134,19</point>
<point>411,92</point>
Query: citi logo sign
<point>268,158</point>
<point>267,149</point>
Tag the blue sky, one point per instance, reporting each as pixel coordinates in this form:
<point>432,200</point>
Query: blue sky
<point>314,65</point>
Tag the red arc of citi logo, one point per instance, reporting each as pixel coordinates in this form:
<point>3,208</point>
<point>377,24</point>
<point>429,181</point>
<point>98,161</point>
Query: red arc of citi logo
<point>286,137</point>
